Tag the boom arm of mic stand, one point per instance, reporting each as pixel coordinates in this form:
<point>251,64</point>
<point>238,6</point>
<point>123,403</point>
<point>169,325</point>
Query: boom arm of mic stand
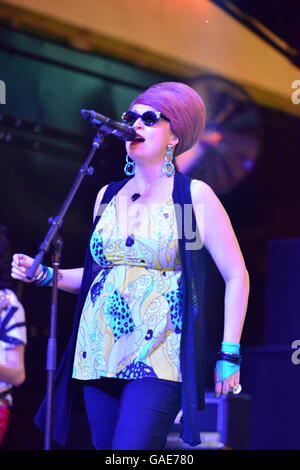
<point>56,222</point>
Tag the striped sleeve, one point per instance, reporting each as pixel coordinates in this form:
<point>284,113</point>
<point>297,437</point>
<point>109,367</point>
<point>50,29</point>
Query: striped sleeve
<point>12,319</point>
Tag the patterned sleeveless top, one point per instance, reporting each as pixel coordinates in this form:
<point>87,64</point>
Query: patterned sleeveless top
<point>131,321</point>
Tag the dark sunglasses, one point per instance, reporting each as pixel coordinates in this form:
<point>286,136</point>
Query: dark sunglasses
<point>149,118</point>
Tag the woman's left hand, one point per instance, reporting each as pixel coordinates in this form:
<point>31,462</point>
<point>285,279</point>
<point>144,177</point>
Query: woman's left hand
<point>224,383</point>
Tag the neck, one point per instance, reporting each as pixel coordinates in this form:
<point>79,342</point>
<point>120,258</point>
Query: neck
<point>147,176</point>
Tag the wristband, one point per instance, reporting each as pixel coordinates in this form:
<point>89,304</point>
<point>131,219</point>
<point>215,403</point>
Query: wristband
<point>48,279</point>
<point>226,369</point>
<point>229,360</point>
<point>230,352</point>
<point>232,348</point>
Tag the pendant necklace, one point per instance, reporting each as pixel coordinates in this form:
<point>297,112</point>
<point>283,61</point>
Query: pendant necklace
<point>130,240</point>
<point>135,196</point>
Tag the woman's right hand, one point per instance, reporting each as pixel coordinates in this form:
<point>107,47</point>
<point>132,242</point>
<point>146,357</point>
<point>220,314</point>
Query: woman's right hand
<point>19,266</point>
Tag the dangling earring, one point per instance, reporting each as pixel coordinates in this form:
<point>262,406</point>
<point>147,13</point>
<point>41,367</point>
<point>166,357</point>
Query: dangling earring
<point>129,168</point>
<point>168,166</point>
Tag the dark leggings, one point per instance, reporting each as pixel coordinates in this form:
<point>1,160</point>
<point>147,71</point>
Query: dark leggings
<point>131,414</point>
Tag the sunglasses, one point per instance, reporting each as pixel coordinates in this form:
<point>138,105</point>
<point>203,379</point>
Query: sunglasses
<point>149,118</point>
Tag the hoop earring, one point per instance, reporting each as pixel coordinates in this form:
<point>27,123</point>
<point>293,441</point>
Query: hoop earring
<point>168,166</point>
<point>129,168</point>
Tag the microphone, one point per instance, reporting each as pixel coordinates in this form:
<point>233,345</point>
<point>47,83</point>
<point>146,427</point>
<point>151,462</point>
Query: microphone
<point>108,125</point>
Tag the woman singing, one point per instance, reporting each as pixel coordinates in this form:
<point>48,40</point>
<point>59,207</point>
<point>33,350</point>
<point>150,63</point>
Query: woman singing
<point>136,349</point>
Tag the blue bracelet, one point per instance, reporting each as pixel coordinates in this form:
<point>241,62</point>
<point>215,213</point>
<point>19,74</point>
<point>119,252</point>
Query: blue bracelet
<point>232,348</point>
<point>45,277</point>
<point>48,279</point>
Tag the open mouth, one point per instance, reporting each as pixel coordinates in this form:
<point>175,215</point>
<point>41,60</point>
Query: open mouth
<point>139,138</point>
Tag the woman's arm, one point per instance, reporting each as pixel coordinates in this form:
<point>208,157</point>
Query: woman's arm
<point>220,240</point>
<point>69,280</point>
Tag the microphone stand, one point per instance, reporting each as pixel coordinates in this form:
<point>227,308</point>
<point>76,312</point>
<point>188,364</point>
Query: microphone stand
<point>53,238</point>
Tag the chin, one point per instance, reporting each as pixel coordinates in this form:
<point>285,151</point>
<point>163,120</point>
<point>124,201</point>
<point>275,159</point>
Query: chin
<point>136,153</point>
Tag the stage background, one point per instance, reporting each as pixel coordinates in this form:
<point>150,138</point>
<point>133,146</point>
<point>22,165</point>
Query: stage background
<point>43,142</point>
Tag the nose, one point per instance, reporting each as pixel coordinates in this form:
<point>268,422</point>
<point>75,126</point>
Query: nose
<point>138,123</point>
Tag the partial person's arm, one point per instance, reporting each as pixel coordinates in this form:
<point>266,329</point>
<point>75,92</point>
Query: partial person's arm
<point>13,339</point>
<point>13,370</point>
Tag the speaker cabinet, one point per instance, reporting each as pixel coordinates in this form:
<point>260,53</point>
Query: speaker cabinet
<point>282,293</point>
<point>225,423</point>
<point>272,378</point>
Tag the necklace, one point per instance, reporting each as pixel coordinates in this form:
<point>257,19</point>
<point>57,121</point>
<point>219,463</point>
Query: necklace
<point>135,196</point>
